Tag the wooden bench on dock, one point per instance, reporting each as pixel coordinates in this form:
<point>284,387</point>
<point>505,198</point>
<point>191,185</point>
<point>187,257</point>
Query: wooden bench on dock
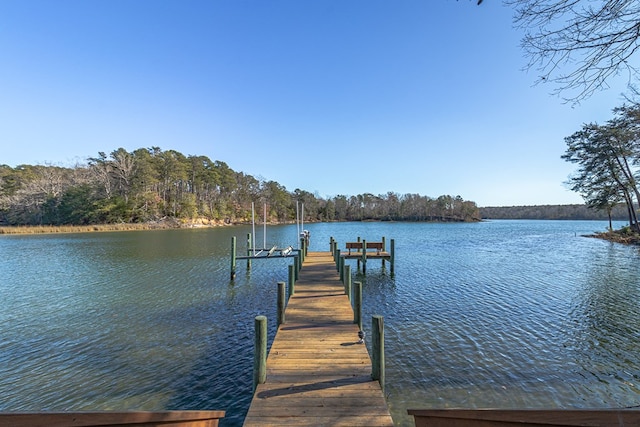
<point>378,246</point>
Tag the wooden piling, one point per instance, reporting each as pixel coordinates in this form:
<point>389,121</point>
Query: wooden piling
<point>377,350</point>
<point>357,304</point>
<point>281,302</point>
<point>292,280</point>
<point>297,264</point>
<point>392,253</point>
<point>347,281</point>
<point>341,269</point>
<point>364,256</point>
<point>260,351</point>
<point>337,259</point>
<point>302,250</point>
<point>233,257</point>
<point>249,251</point>
<point>384,248</point>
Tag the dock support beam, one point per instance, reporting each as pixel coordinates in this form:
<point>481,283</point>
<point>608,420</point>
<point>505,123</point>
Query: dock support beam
<point>377,350</point>
<point>260,355</point>
<point>282,298</point>
<point>357,304</point>
<point>233,257</point>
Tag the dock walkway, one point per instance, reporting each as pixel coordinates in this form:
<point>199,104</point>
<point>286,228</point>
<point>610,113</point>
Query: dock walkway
<point>317,373</point>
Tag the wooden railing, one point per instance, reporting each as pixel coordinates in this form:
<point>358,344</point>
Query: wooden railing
<point>532,417</point>
<point>111,419</point>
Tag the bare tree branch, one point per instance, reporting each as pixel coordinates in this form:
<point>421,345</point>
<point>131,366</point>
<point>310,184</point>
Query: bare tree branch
<point>579,45</point>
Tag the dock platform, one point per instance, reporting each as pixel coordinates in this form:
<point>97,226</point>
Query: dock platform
<point>317,372</point>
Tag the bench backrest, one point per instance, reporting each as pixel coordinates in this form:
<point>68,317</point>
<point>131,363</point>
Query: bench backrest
<point>370,245</point>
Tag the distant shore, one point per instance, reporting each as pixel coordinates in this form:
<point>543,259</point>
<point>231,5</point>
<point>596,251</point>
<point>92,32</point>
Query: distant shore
<point>164,224</point>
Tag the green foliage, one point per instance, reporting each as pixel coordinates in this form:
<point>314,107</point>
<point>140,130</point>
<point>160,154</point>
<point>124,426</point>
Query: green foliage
<point>151,184</point>
<point>607,157</point>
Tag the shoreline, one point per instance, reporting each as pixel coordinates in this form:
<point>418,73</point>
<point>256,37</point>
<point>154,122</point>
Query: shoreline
<point>166,224</point>
<point>618,236</point>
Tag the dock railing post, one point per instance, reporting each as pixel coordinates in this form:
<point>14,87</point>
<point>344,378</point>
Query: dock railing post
<point>341,269</point>
<point>296,263</point>
<point>260,355</point>
<point>364,256</point>
<point>377,350</point>
<point>338,259</point>
<point>249,251</point>
<point>392,253</point>
<point>292,280</point>
<point>357,304</point>
<point>233,257</point>
<point>347,281</point>
<point>302,249</point>
<point>281,302</point>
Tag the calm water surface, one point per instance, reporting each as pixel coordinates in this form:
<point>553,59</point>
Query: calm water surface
<point>495,314</point>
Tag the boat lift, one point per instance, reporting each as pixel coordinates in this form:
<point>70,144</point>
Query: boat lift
<point>265,252</point>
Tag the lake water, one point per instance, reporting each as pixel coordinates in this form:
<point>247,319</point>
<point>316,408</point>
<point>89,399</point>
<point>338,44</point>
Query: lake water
<point>512,314</point>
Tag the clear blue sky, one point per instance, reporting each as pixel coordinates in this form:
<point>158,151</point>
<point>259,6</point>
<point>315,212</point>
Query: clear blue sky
<point>334,97</point>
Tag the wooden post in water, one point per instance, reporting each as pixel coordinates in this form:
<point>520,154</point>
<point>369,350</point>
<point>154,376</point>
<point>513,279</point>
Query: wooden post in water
<point>338,259</point>
<point>292,280</point>
<point>281,302</point>
<point>341,269</point>
<point>331,246</point>
<point>249,251</point>
<point>364,256</point>
<point>347,281</point>
<point>377,350</point>
<point>357,304</point>
<point>298,265</point>
<point>302,250</point>
<point>384,248</point>
<point>392,253</point>
<point>260,348</point>
<point>358,258</point>
<point>233,257</point>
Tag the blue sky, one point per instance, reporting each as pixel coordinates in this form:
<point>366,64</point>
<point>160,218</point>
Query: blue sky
<point>334,97</point>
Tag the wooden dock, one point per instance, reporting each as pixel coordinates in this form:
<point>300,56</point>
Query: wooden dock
<point>317,372</point>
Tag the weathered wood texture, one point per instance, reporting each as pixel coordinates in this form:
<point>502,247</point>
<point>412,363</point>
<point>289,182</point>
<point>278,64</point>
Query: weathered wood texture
<point>317,373</point>
<point>111,419</point>
<point>532,417</point>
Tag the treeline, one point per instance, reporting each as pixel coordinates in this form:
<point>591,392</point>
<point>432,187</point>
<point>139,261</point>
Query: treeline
<point>148,185</point>
<point>559,212</point>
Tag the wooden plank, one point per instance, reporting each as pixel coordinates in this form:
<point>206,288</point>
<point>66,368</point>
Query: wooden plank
<point>527,417</point>
<point>88,419</point>
<point>317,373</point>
